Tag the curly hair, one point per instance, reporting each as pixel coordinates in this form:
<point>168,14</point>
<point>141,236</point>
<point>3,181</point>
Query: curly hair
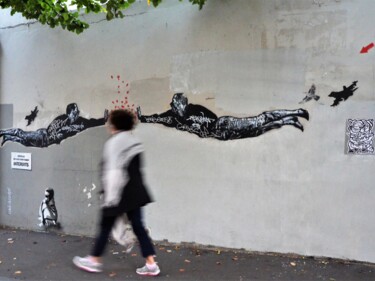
<point>123,120</point>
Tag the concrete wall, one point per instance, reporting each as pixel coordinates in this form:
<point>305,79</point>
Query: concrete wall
<point>285,191</point>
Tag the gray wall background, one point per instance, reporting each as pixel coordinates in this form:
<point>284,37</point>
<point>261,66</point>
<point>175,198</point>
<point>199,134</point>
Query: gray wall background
<point>285,191</point>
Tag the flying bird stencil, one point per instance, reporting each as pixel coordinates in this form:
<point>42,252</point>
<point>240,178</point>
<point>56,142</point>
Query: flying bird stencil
<point>31,117</point>
<point>344,94</point>
<point>310,95</point>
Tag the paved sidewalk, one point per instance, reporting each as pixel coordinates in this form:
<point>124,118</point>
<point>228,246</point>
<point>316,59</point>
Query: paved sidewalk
<point>26,255</point>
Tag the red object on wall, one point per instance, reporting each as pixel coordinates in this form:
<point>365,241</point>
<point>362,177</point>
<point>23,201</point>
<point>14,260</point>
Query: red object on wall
<point>367,48</point>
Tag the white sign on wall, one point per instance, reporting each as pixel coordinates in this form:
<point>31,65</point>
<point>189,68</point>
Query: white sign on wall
<point>21,161</point>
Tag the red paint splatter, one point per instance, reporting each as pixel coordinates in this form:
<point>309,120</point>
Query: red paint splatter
<point>122,102</point>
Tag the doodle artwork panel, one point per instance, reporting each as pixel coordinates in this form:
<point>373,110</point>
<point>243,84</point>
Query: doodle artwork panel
<point>360,136</point>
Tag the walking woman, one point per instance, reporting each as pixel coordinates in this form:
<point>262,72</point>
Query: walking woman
<point>124,193</point>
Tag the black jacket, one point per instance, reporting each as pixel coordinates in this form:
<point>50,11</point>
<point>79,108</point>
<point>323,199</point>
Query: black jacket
<point>135,193</point>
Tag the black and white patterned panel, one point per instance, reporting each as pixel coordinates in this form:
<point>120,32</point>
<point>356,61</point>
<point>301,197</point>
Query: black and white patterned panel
<point>360,136</point>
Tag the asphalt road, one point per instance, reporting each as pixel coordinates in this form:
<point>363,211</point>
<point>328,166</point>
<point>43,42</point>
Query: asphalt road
<point>26,255</point>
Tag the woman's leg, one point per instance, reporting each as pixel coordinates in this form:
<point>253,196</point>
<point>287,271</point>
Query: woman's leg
<point>101,240</point>
<point>148,252</point>
<point>147,249</point>
<point>93,262</point>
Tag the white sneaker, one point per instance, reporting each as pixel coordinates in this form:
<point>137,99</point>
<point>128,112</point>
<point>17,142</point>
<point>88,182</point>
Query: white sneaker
<point>149,272</point>
<point>86,264</point>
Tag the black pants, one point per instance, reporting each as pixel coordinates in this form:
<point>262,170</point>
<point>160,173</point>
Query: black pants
<point>106,224</point>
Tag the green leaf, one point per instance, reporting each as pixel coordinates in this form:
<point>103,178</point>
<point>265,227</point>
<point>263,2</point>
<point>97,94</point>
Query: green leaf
<point>55,12</point>
<point>109,15</point>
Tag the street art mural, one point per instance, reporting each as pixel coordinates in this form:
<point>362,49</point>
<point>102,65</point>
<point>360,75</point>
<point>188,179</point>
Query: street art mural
<point>360,136</point>
<point>310,95</point>
<point>31,117</point>
<point>196,119</point>
<point>88,192</point>
<point>344,94</point>
<point>47,210</point>
<point>61,128</point>
<point>121,98</point>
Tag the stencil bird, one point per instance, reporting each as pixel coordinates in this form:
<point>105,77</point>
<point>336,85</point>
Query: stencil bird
<point>344,94</point>
<point>310,95</point>
<point>31,117</point>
